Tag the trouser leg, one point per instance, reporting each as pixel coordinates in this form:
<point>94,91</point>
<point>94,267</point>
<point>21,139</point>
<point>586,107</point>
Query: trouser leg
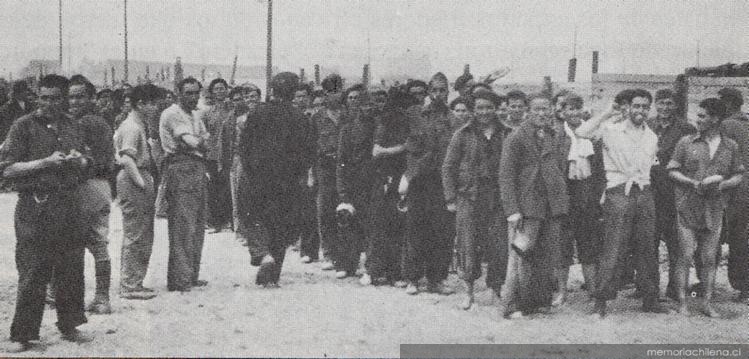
<point>646,255</point>
<point>137,207</point>
<point>327,200</point>
<point>738,243</point>
<point>69,288</point>
<point>618,222</point>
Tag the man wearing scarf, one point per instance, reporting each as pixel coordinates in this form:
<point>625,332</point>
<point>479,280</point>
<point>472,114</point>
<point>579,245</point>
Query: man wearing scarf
<point>430,226</point>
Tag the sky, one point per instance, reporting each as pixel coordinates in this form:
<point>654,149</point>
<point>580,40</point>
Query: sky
<point>532,37</point>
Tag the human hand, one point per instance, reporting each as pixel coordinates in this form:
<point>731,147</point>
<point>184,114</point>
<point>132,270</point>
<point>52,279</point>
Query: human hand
<point>452,207</point>
<point>403,186</point>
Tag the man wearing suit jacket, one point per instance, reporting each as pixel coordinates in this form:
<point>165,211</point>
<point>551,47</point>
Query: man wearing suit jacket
<point>534,194</point>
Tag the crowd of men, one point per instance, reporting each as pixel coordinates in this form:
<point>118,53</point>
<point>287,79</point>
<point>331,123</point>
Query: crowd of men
<point>513,183</point>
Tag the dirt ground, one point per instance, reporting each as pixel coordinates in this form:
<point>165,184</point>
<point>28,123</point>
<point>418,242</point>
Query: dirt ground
<point>315,315</point>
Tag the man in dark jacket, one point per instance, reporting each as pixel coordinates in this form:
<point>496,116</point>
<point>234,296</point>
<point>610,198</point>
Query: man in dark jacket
<point>275,153</point>
<point>18,105</point>
<point>669,130</point>
<point>353,180</point>
<point>534,196</point>
<point>430,226</point>
<point>471,188</point>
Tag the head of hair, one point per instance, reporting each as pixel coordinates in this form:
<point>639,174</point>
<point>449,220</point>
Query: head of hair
<point>560,96</point>
<point>355,88</point>
<point>215,82</point>
<point>416,83</point>
<point>284,85</point>
<point>732,98</point>
<point>517,95</point>
<point>438,77</point>
<point>236,91</point>
<point>332,83</point>
<point>664,94</point>
<point>55,81</point>
<point>573,100</point>
<point>461,81</point>
<point>537,96</point>
<point>104,92</point>
<point>462,100</point>
<point>188,80</point>
<point>488,96</point>
<point>624,97</point>
<point>80,80</point>
<point>138,95</point>
<point>481,87</point>
<point>318,93</point>
<point>20,86</point>
<point>641,93</point>
<point>305,87</point>
<point>715,107</point>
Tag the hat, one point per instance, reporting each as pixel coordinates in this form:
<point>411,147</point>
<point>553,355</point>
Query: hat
<point>438,77</point>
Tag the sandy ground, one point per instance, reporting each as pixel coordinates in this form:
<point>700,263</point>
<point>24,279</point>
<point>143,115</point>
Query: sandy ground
<point>314,314</point>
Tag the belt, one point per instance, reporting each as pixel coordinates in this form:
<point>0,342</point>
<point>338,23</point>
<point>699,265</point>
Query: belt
<point>181,157</point>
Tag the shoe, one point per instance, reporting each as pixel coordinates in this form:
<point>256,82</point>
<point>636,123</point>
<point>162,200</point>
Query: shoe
<point>100,305</point>
<point>265,272</point>
<point>76,336</point>
<point>599,309</point>
<point>440,288</point>
<point>140,295</point>
<point>559,299</point>
<point>365,280</point>
<point>515,315</point>
<point>306,259</point>
<point>341,274</point>
<point>682,308</point>
<point>327,265</point>
<point>16,347</point>
<point>543,310</point>
<point>708,311</point>
<point>743,297</point>
<point>411,289</point>
<point>654,307</point>
<point>400,284</point>
<point>696,290</point>
<point>200,283</point>
<point>171,289</point>
<point>141,288</point>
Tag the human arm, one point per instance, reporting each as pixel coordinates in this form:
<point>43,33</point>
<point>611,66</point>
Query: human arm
<point>589,129</point>
<point>450,168</point>
<point>508,172</point>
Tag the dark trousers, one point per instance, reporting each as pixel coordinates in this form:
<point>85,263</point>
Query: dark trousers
<point>384,231</point>
<point>582,228</point>
<point>267,237</point>
<point>666,228</point>
<point>530,278</point>
<point>327,200</point>
<point>219,196</point>
<point>185,195</point>
<point>351,237</point>
<point>629,222</point>
<point>481,233</point>
<point>430,231</point>
<point>735,234</point>
<point>49,238</point>
<point>309,236</point>
<point>137,205</point>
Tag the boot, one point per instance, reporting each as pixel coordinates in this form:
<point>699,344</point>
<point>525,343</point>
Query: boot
<point>100,304</point>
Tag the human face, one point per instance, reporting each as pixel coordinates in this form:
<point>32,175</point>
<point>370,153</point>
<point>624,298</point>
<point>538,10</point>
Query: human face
<point>419,93</point>
<point>318,104</point>
<point>460,111</point>
<point>353,99</point>
<point>127,105</point>
<point>516,109</point>
<point>78,100</point>
<point>484,110</point>
<point>541,112</point>
<point>252,98</point>
<point>705,122</point>
<point>301,99</point>
<point>51,101</point>
<point>438,92</point>
<point>169,97</point>
<point>104,102</point>
<point>502,110</point>
<point>237,98</point>
<point>572,114</point>
<point>189,96</point>
<point>638,110</point>
<point>219,92</point>
<point>378,100</point>
<point>665,107</point>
